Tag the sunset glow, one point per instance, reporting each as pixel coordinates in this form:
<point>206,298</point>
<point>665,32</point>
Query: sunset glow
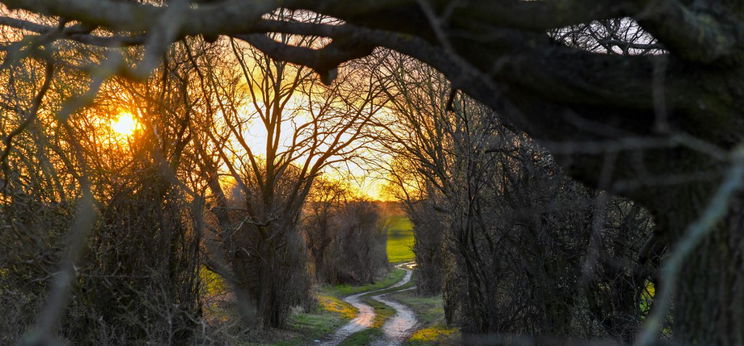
<point>125,124</point>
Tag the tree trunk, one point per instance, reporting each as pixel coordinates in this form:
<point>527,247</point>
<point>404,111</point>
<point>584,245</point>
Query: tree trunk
<point>270,265</point>
<point>710,293</point>
<point>708,307</point>
<point>270,303</point>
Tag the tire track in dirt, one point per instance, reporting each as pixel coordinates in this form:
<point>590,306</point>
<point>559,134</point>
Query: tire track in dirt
<point>396,329</point>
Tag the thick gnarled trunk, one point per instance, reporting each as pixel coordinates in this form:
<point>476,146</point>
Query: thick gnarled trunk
<point>271,274</point>
<point>709,304</point>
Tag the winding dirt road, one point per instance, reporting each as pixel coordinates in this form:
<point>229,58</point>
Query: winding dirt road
<point>396,329</point>
<point>399,328</point>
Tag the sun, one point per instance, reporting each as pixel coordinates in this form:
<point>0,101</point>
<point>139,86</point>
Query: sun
<point>125,124</point>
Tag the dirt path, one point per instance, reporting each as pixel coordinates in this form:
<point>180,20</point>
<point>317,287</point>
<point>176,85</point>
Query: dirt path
<point>399,328</point>
<point>396,329</point>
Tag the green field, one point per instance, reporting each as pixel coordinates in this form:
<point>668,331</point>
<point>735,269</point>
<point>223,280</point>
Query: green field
<point>400,239</point>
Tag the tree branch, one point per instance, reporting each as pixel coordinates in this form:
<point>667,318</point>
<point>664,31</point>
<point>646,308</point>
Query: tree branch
<point>693,36</point>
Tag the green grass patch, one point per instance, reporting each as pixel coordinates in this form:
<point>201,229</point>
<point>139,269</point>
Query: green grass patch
<point>429,310</point>
<point>363,338</point>
<point>430,313</point>
<point>345,290</point>
<point>399,239</point>
<point>303,327</point>
<point>382,311</point>
<point>330,301</point>
<point>314,325</point>
<point>307,327</point>
<point>333,313</point>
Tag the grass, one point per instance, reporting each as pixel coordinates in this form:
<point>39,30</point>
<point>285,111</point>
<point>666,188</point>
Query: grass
<point>306,327</point>
<point>303,328</point>
<point>430,313</point>
<point>429,310</point>
<point>333,304</point>
<point>382,311</point>
<point>363,338</point>
<point>313,326</point>
<point>433,335</point>
<point>345,290</point>
<point>333,312</point>
<point>330,301</point>
<point>400,239</point>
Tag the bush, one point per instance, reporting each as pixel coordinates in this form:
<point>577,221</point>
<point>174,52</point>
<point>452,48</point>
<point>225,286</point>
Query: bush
<point>347,241</point>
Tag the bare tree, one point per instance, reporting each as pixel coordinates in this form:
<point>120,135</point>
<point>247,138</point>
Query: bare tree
<point>324,200</point>
<point>303,127</point>
<point>345,235</point>
<point>516,234</point>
